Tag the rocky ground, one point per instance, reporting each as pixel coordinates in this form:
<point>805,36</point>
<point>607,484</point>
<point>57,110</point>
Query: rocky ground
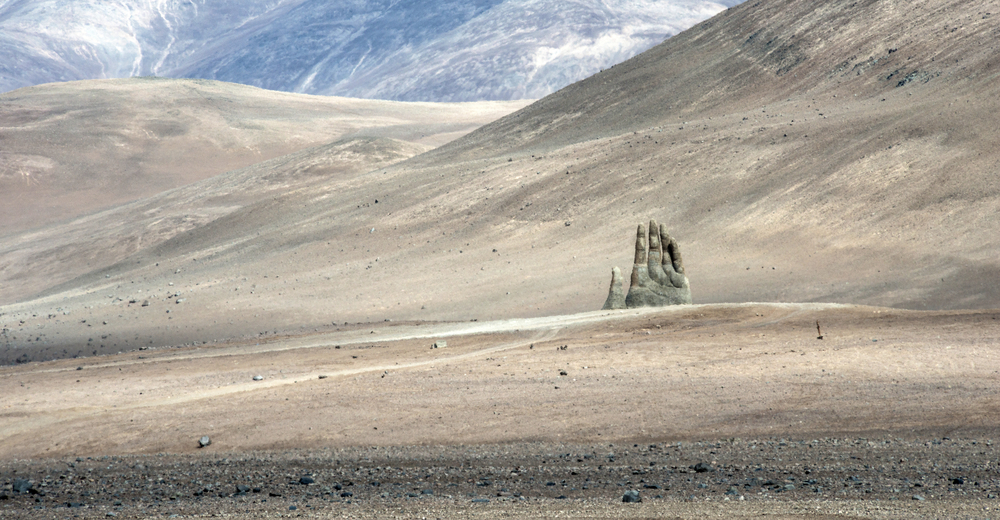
<point>825,476</point>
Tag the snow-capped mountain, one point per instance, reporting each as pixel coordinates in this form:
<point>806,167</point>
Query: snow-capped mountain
<point>447,50</point>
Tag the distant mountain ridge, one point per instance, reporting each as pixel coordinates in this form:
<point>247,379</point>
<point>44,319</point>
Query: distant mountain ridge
<point>381,49</point>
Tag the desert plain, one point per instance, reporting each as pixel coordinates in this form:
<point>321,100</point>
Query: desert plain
<point>829,171</point>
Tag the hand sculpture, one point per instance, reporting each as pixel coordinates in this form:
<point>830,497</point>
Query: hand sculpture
<point>657,276</point>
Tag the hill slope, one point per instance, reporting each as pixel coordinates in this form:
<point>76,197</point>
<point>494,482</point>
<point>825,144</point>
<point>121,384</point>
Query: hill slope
<point>799,152</point>
<point>74,148</point>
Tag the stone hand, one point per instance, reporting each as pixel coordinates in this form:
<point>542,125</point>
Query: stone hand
<point>657,275</point>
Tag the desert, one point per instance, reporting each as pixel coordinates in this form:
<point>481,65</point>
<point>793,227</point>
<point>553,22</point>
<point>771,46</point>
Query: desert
<point>829,172</point>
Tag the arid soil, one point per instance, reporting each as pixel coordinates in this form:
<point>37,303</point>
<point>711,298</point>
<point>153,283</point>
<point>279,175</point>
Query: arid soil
<point>835,160</point>
<point>889,405</point>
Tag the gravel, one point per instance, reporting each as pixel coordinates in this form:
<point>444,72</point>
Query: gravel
<point>753,471</point>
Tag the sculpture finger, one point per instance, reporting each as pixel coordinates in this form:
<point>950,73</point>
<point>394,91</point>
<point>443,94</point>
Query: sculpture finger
<point>616,295</point>
<point>673,253</point>
<point>640,245</point>
<point>655,250</point>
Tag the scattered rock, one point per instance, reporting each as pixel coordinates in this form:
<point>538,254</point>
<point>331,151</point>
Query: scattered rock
<point>242,490</point>
<point>204,441</point>
<point>258,378</point>
<point>480,501</point>
<point>702,467</point>
<point>440,344</point>
<point>918,497</point>
<point>21,486</point>
<point>305,481</point>
<point>323,376</point>
<point>145,303</point>
<point>631,496</point>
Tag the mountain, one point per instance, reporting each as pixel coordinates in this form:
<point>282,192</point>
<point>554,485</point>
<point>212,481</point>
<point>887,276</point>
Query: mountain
<point>381,49</point>
<point>836,152</point>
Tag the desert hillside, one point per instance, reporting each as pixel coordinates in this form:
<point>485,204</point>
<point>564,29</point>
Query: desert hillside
<point>357,329</point>
<point>73,148</point>
<point>835,153</point>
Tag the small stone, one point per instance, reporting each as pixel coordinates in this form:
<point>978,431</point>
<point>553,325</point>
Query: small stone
<point>958,481</point>
<point>346,494</point>
<point>480,501</point>
<point>21,486</point>
<point>440,344</point>
<point>258,378</point>
<point>427,492</point>
<point>79,368</point>
<point>702,467</point>
<point>204,441</point>
<point>305,481</point>
<point>918,497</point>
<point>631,496</point>
<point>242,489</point>
<point>292,508</point>
<point>324,376</point>
<point>145,303</point>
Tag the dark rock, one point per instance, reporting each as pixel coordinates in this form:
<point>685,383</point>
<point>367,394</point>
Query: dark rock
<point>305,481</point>
<point>702,467</point>
<point>346,494</point>
<point>733,491</point>
<point>958,481</point>
<point>292,508</point>
<point>74,504</point>
<point>427,492</point>
<point>21,486</point>
<point>480,501</point>
<point>242,490</point>
<point>631,496</point>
